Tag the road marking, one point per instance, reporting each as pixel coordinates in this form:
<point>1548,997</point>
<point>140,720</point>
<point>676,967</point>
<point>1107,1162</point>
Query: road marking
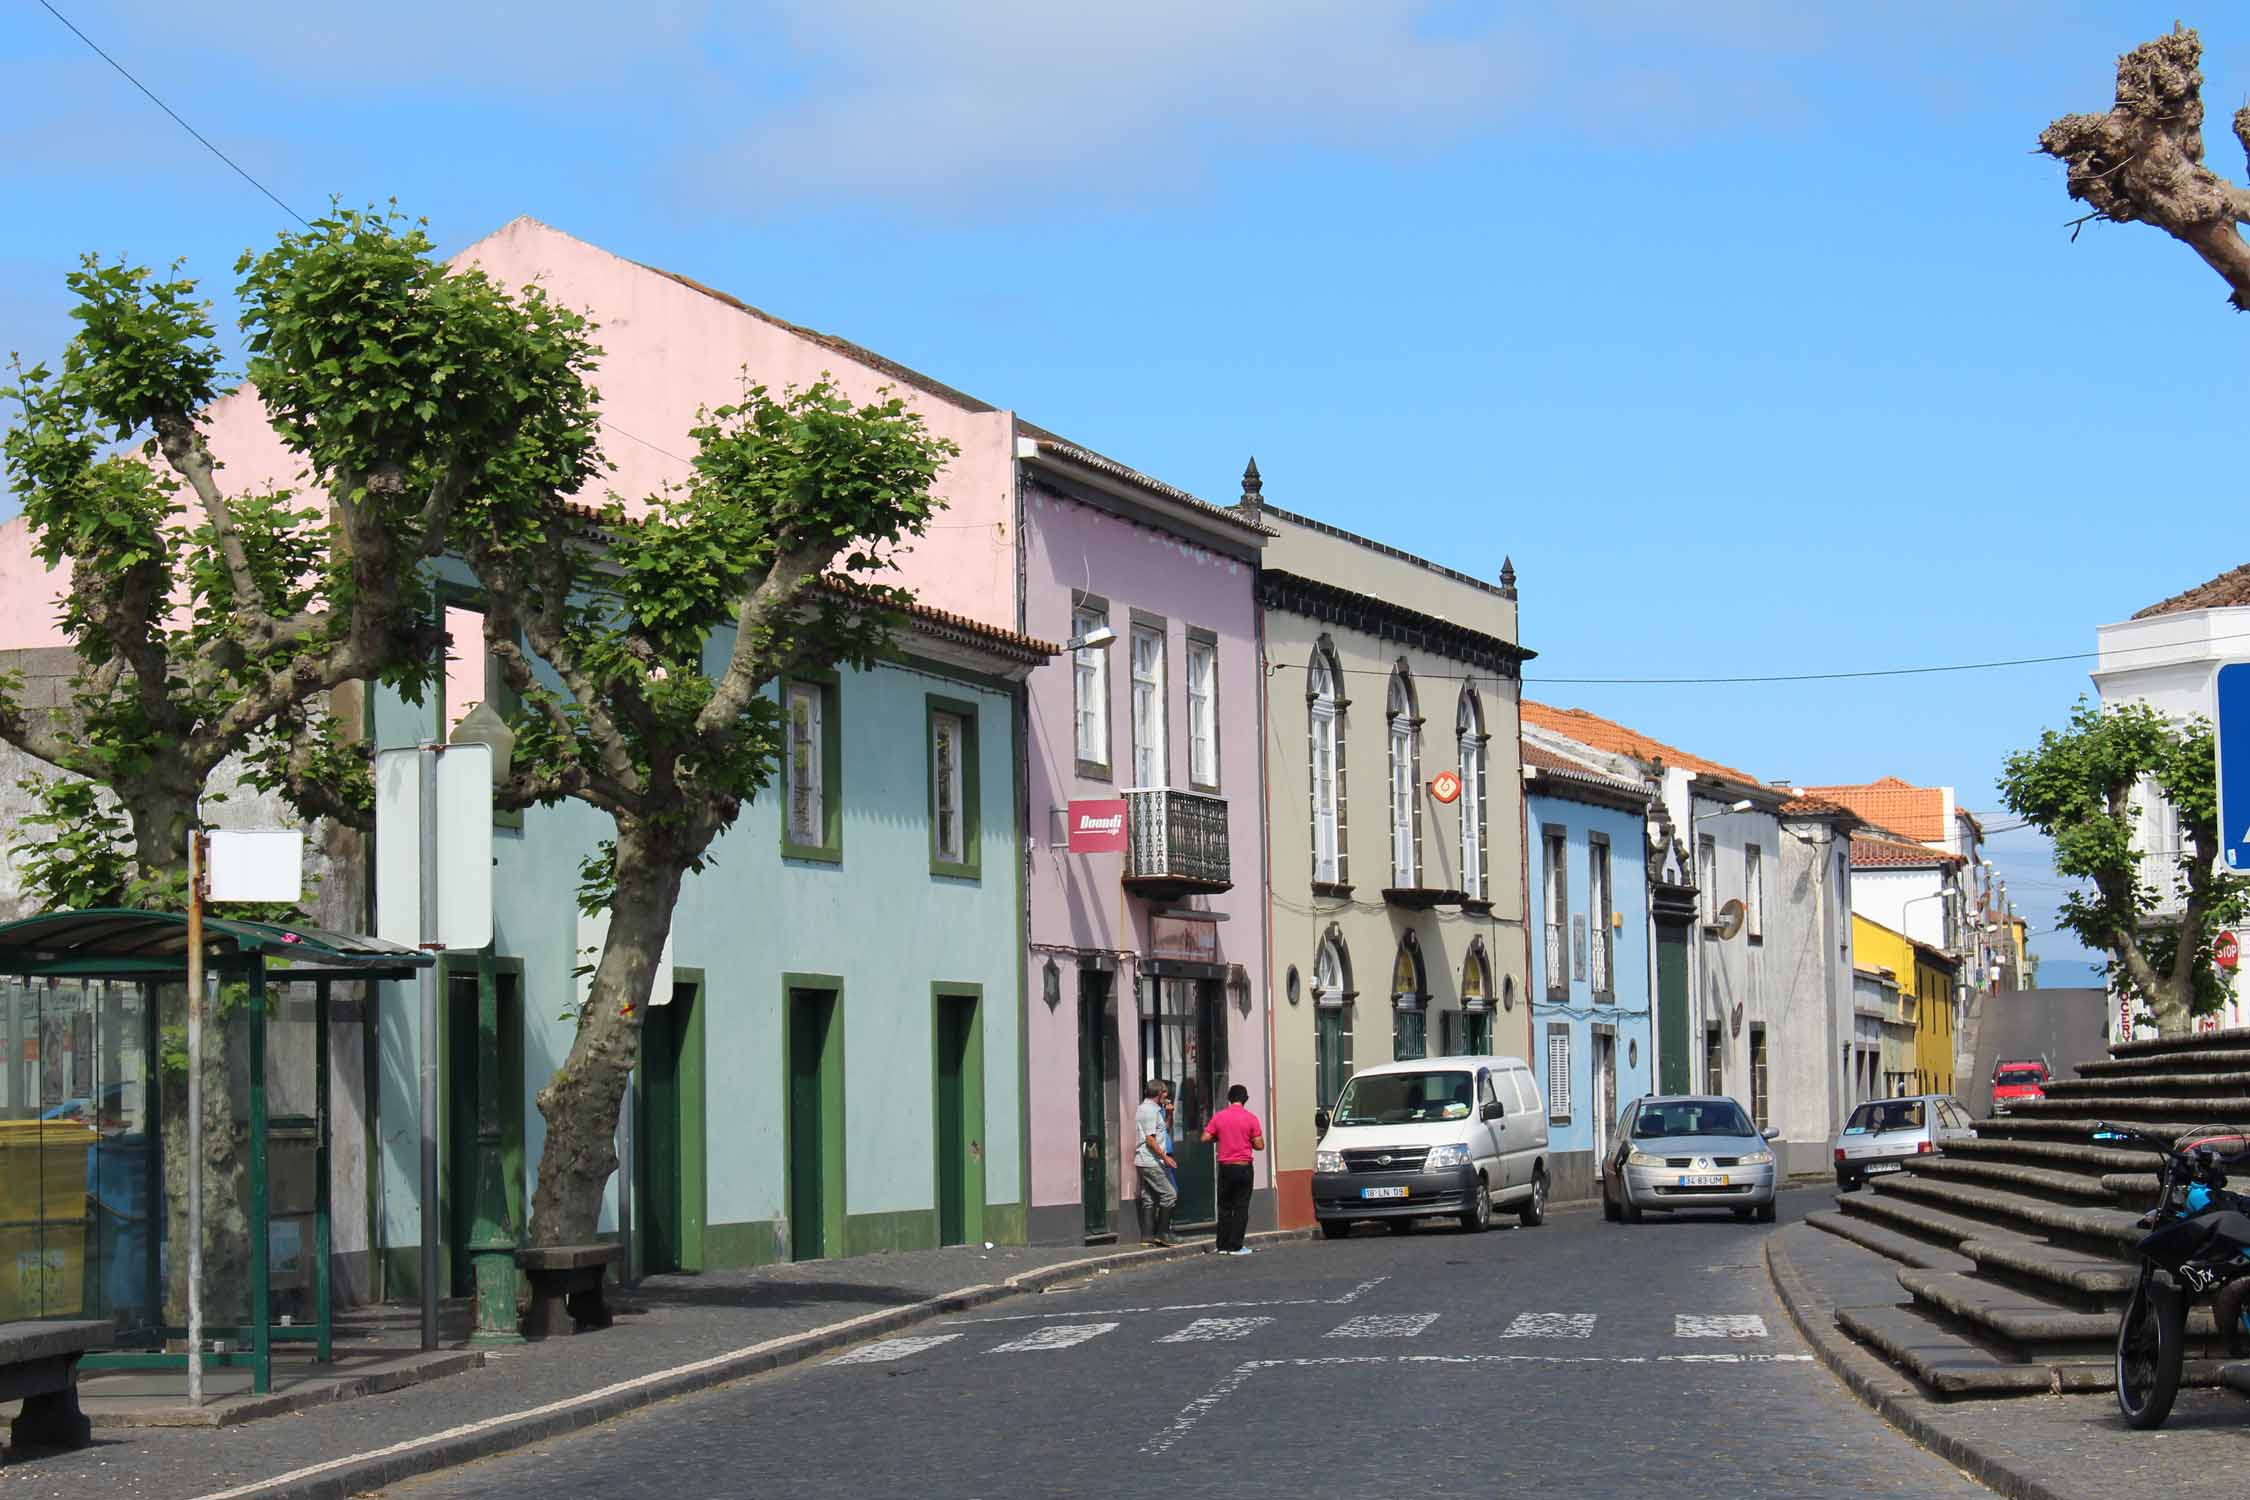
<point>1361,1290</point>
<point>1202,1406</point>
<point>1551,1326</point>
<point>1055,1336</point>
<point>1718,1326</point>
<point>888,1349</point>
<point>1215,1330</point>
<point>1353,1295</point>
<point>1383,1326</point>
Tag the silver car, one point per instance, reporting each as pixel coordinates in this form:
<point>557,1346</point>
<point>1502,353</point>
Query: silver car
<point>1679,1151</point>
<point>1882,1133</point>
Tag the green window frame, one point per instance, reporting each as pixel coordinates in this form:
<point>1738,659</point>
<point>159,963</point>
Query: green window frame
<point>970,864</point>
<point>825,693</point>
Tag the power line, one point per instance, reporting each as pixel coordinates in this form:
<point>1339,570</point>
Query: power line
<point>175,114</point>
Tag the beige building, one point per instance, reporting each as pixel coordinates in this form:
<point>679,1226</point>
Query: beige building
<point>1394,816</point>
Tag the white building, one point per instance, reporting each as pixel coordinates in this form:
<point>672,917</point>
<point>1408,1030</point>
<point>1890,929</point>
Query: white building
<point>2165,656</point>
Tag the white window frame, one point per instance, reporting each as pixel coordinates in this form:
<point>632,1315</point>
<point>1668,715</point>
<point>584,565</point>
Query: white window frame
<point>1599,953</point>
<point>1324,732</point>
<point>1472,796</point>
<point>1707,876</point>
<point>1147,668</point>
<point>1090,688</point>
<point>1404,741</point>
<point>807,811</point>
<point>949,792</point>
<point>1753,893</point>
<point>1203,712</point>
<point>1555,898</point>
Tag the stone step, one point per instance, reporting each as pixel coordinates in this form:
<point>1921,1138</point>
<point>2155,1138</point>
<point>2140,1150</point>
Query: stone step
<point>2170,1109</point>
<point>2235,1377</point>
<point>2198,1060</point>
<point>2002,1312</point>
<point>2015,1211</point>
<point>2069,1271</point>
<point>1949,1363</point>
<point>1888,1243</point>
<point>1922,1220</point>
<point>2042,1181</point>
<point>2225,1039</point>
<point>2062,1156</point>
<point>2215,1085</point>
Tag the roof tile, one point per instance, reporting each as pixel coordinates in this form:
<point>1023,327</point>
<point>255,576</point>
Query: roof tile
<point>1608,734</point>
<point>2228,589</point>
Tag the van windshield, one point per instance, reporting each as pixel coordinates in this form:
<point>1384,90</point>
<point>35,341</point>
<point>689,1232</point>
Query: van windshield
<point>1405,1098</point>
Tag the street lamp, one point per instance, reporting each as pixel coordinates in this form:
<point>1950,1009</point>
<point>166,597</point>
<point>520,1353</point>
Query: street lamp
<point>1100,635</point>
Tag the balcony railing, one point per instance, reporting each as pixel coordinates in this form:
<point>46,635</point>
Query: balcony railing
<point>1597,959</point>
<point>1177,844</point>
<point>1558,959</point>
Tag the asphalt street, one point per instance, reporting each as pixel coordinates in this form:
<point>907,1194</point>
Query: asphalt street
<point>2063,1026</point>
<point>1577,1359</point>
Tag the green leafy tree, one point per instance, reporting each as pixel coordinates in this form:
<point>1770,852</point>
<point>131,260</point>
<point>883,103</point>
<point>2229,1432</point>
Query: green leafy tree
<point>212,623</point>
<point>643,647</point>
<point>2155,912</point>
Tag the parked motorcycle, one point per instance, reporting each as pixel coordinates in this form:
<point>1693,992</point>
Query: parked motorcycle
<point>2198,1246</point>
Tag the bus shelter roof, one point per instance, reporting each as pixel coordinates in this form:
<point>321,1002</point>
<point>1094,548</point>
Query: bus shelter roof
<point>117,943</point>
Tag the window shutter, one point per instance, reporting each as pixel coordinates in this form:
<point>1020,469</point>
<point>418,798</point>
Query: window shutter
<point>1558,1073</point>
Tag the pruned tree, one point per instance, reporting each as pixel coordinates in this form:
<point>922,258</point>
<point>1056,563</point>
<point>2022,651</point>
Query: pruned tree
<point>210,622</point>
<point>2155,912</point>
<point>643,648</point>
<point>2142,162</point>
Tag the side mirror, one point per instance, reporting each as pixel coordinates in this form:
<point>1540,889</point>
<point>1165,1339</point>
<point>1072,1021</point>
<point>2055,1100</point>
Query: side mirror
<point>1494,1109</point>
<point>1320,1122</point>
<point>1771,1132</point>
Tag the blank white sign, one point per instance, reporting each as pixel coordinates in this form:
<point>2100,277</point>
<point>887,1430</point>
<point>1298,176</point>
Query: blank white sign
<point>464,846</point>
<point>256,864</point>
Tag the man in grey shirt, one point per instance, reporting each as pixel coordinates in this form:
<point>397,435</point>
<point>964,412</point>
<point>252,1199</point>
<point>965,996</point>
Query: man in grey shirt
<point>1153,1158</point>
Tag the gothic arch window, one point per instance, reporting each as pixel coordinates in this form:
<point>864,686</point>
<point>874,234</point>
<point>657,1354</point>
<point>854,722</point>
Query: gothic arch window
<point>1332,1028</point>
<point>1468,727</point>
<point>1476,1001</point>
<point>1324,725</point>
<point>1404,718</point>
<point>1410,1002</point>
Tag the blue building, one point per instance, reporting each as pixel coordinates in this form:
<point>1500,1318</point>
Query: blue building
<point>1584,846</point>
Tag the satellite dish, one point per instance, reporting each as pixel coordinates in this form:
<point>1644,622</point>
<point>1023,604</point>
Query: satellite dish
<point>1730,920</point>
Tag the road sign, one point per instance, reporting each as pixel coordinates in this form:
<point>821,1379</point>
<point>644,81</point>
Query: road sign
<point>2230,693</point>
<point>464,847</point>
<point>256,864</point>
<point>2226,950</point>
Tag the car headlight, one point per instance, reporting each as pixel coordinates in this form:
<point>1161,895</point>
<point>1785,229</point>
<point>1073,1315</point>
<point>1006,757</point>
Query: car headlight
<point>1643,1159</point>
<point>1455,1155</point>
<point>1328,1161</point>
<point>1758,1159</point>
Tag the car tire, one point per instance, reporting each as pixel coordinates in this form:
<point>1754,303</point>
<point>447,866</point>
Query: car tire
<point>1609,1206</point>
<point>1399,1226</point>
<point>1744,1214</point>
<point>1335,1229</point>
<point>1534,1210</point>
<point>1764,1212</point>
<point>1477,1217</point>
<point>1626,1205</point>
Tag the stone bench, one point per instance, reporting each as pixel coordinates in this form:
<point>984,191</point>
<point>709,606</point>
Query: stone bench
<point>39,1365</point>
<point>566,1287</point>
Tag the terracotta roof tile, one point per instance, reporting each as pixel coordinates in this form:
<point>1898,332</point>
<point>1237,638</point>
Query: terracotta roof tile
<point>1885,852</point>
<point>1547,760</point>
<point>1918,812</point>
<point>1815,807</point>
<point>1608,734</point>
<point>2228,589</point>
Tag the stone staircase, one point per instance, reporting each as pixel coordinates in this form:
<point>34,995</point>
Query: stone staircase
<point>2012,1249</point>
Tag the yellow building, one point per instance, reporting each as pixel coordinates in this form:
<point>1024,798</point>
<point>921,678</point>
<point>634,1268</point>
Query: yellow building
<point>1918,1039</point>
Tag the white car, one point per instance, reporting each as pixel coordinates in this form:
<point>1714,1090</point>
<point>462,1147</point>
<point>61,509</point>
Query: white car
<point>1411,1140</point>
<point>1882,1134</point>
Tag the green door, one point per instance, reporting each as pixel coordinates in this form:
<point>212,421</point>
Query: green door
<point>816,1136</point>
<point>1185,1043</point>
<point>1097,1091</point>
<point>960,1121</point>
<point>668,1134</point>
<point>1674,1063</point>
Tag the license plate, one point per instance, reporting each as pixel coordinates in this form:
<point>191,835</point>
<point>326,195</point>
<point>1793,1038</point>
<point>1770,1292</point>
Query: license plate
<point>1389,1192</point>
<point>1707,1179</point>
<point>1881,1166</point>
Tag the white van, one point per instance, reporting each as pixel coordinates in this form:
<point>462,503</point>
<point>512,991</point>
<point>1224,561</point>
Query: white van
<point>1434,1135</point>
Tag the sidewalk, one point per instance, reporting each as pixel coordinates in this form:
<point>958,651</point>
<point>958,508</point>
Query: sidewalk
<point>2025,1447</point>
<point>673,1334</point>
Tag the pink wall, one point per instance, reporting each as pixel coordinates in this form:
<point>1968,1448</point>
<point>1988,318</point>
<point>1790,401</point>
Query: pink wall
<point>1078,901</point>
<point>29,593</point>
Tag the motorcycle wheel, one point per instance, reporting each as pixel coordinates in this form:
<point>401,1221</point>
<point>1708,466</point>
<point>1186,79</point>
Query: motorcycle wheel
<point>2151,1343</point>
<point>2227,1312</point>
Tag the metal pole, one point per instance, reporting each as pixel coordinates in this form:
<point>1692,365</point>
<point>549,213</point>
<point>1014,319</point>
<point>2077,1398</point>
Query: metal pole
<point>195,1117</point>
<point>429,1043</point>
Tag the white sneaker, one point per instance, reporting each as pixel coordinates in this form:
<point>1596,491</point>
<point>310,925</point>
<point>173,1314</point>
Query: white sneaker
<point>1245,1250</point>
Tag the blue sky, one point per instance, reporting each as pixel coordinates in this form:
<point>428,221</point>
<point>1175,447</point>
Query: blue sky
<point>1750,330</point>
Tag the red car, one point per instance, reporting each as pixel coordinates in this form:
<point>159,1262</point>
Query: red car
<point>2018,1079</point>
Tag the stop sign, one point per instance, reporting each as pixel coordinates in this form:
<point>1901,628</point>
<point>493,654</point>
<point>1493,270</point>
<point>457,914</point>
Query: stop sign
<point>2226,951</point>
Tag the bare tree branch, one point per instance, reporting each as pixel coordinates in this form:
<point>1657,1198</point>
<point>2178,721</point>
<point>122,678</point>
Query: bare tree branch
<point>746,670</point>
<point>183,448</point>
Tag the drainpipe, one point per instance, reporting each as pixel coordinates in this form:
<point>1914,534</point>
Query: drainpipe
<point>1265,887</point>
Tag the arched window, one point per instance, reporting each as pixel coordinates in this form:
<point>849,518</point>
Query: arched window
<point>1410,998</point>
<point>1406,780</point>
<point>1332,1031</point>
<point>1476,1000</point>
<point>1468,725</point>
<point>1324,711</point>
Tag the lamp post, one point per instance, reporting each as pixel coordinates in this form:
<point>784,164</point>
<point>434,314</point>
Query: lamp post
<point>492,1231</point>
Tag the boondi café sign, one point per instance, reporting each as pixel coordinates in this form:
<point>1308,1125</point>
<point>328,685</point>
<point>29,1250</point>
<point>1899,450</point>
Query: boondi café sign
<point>1097,825</point>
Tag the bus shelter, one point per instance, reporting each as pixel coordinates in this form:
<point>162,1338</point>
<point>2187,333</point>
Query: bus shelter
<point>93,1119</point>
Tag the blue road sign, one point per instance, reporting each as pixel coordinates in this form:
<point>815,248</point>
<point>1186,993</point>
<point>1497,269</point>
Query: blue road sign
<point>2231,690</point>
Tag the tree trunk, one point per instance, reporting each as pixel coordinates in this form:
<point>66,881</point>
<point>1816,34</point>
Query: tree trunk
<point>580,1103</point>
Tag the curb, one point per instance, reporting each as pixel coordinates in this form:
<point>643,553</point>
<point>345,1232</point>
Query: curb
<point>341,1478</point>
<point>1890,1395</point>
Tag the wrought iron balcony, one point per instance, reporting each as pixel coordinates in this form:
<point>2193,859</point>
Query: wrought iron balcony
<point>1177,844</point>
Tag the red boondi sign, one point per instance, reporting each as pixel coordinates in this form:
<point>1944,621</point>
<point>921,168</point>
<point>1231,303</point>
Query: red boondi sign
<point>1097,825</point>
<point>1445,786</point>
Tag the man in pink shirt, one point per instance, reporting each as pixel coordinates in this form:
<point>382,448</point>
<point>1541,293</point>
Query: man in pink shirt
<point>1239,1137</point>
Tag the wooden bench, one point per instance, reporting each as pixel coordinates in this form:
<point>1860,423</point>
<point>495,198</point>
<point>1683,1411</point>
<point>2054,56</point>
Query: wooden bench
<point>566,1287</point>
<point>39,1365</point>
